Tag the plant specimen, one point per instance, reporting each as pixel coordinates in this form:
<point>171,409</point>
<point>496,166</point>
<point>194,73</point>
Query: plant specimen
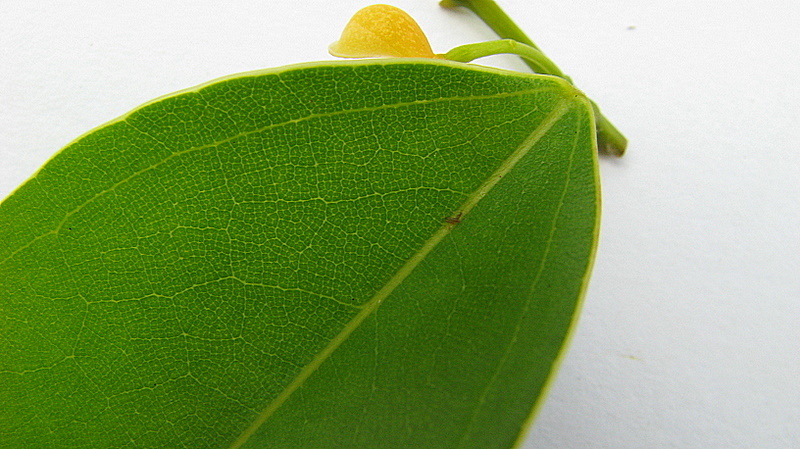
<point>383,253</point>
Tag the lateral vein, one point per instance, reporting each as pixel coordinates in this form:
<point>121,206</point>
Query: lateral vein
<point>215,144</point>
<point>404,271</point>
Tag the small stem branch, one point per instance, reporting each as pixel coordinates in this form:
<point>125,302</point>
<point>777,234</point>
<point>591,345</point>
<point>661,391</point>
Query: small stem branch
<point>537,61</point>
<point>609,139</point>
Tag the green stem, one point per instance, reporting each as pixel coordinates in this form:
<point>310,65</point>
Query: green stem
<point>491,14</point>
<point>609,139</point>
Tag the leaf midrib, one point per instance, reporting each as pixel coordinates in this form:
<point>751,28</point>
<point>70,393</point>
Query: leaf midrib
<point>370,306</point>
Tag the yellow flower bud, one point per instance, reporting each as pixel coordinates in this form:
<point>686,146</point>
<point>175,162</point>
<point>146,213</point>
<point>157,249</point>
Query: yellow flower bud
<point>382,30</point>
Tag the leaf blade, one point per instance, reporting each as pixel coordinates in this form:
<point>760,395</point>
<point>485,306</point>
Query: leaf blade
<point>183,236</point>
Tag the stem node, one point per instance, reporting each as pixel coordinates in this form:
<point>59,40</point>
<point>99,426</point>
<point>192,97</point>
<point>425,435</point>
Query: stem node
<point>515,41</point>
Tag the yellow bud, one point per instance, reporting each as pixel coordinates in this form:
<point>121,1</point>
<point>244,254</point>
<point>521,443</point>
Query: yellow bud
<point>382,30</point>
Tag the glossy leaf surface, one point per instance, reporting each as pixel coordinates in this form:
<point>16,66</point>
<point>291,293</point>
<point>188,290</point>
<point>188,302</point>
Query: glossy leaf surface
<point>372,254</point>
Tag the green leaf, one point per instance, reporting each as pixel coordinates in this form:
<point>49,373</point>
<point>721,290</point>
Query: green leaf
<point>380,254</point>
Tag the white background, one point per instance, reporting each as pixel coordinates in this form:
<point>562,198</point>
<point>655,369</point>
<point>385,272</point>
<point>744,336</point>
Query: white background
<point>690,333</point>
